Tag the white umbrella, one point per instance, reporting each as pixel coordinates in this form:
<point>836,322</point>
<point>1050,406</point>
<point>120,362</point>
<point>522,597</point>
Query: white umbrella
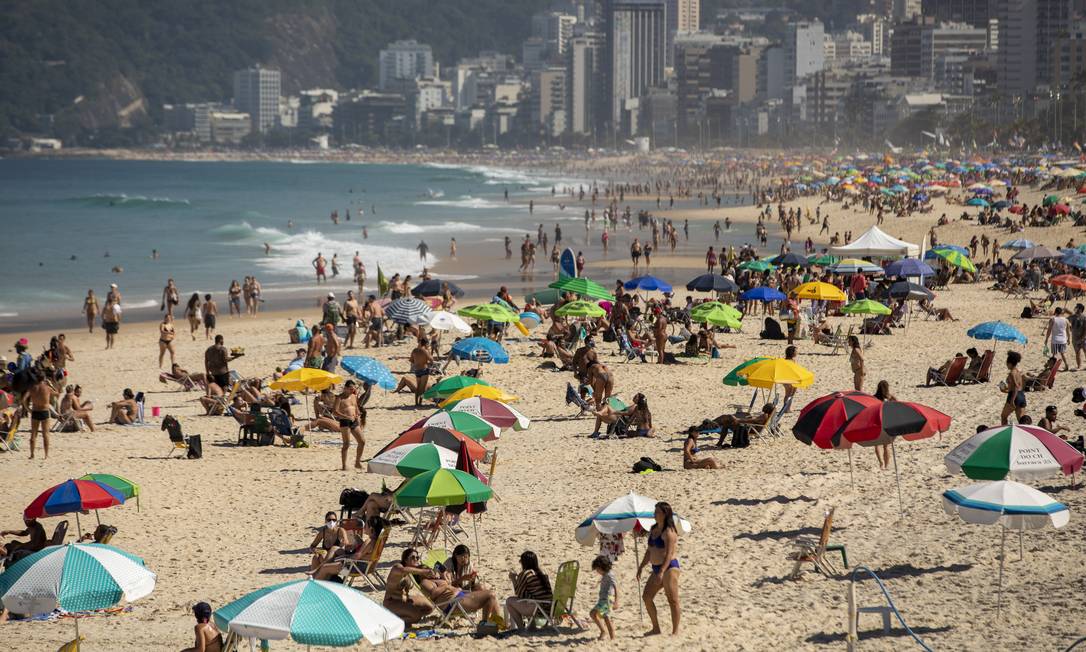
<point>1012,505</point>
<point>446,321</point>
<point>396,461</point>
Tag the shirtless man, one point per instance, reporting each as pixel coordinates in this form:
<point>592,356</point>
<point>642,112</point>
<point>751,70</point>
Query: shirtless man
<point>659,329</point>
<point>350,424</point>
<point>40,398</point>
<point>314,355</point>
<point>331,349</point>
<point>73,406</point>
<point>211,313</point>
<point>351,311</point>
<point>374,315</point>
<point>208,636</point>
<point>420,367</point>
<point>319,264</point>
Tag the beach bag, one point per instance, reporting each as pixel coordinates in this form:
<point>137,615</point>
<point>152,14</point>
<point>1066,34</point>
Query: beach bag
<point>352,499</point>
<point>1027,313</point>
<point>196,447</point>
<point>646,464</point>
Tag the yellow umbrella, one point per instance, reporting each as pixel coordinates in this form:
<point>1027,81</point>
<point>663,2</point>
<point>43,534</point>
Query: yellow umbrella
<point>776,371</point>
<point>819,291</point>
<point>482,391</point>
<point>306,379</point>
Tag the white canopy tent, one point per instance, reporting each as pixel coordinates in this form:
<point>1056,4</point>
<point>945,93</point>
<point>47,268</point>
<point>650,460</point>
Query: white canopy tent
<point>876,243</point>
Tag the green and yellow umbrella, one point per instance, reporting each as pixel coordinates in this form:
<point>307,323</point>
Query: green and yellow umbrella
<point>717,317</point>
<point>442,487</point>
<point>956,258</point>
<point>583,287</point>
<point>734,379</point>
<point>710,306</point>
<point>777,371</point>
<point>451,385</point>
<point>865,307</point>
<point>580,309</point>
<point>489,312</point>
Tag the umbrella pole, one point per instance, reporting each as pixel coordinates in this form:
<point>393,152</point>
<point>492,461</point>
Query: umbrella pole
<point>475,526</point>
<point>97,518</point>
<point>78,528</point>
<point>1002,555</point>
<point>897,479</point>
<point>851,476</point>
<point>637,561</point>
<point>1021,554</point>
<point>252,648</point>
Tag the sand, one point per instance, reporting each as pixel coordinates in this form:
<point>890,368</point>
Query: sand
<point>238,519</point>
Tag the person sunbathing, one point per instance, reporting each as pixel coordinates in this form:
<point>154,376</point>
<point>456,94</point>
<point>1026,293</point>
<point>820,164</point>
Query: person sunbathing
<point>975,362</point>
<point>438,590</point>
<point>336,558</point>
<point>460,571</point>
<point>323,405</point>
<point>123,412</point>
<point>690,451</point>
<point>329,539</point>
<point>1035,379</point>
<point>211,400</point>
<point>940,314</point>
<point>71,406</point>
<point>739,425</point>
<point>179,375</point>
<point>208,636</point>
<point>636,418</point>
<point>939,375</point>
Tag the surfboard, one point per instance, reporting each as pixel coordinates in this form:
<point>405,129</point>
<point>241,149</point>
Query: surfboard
<point>567,264</point>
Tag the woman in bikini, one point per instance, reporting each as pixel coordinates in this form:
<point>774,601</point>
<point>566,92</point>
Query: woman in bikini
<point>193,314</point>
<point>330,538</point>
<point>1014,386</point>
<point>165,339</point>
<point>638,417</point>
<point>660,554</point>
<point>856,361</point>
<point>690,451</point>
<point>90,309</point>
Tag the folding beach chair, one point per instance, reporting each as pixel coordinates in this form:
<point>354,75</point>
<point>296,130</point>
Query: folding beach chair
<point>813,551</point>
<point>177,438</point>
<point>1044,382</point>
<point>284,430</point>
<point>8,442</point>
<point>73,645</point>
<point>66,423</point>
<point>953,372</point>
<point>983,372</point>
<point>185,382</point>
<point>561,606</point>
<point>367,568</point>
<point>223,403</point>
<point>445,612</point>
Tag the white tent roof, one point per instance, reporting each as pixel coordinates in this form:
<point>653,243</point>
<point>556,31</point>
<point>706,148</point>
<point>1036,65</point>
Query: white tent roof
<point>876,243</point>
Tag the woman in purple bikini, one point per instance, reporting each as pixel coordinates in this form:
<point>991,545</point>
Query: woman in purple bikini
<point>660,554</point>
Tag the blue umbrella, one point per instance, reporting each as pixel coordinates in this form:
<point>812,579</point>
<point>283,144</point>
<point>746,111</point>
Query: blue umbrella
<point>1001,204</point>
<point>648,283</point>
<point>764,294</point>
<point>432,288</point>
<point>920,197</point>
<point>790,260</point>
<point>977,201</point>
<point>931,255</point>
<point>711,283</point>
<point>1020,243</point>
<point>369,370</point>
<point>909,267</point>
<point>479,349</point>
<point>982,191</point>
<point>997,330</point>
<point>1074,259</point>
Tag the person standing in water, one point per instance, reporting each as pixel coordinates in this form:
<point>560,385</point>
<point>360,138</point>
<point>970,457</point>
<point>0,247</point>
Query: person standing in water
<point>423,249</point>
<point>319,263</point>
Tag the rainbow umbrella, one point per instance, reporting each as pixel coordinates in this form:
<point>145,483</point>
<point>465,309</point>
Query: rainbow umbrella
<point>443,437</point>
<point>123,486</point>
<point>410,460</point>
<point>74,496</point>
<point>483,391</point>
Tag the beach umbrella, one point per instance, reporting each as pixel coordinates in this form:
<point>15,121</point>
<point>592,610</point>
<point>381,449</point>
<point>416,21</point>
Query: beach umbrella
<point>1017,452</point>
<point>1050,200</point>
<point>408,310</point>
<point>776,371</point>
<point>889,420</point>
<point>432,288</point>
<point>822,420</point>
<point>711,283</point>
<point>717,317</point>
<point>489,312</point>
<point>74,496</point>
<point>1012,505</point>
<point>865,307</point>
<point>580,309</point>
<point>1069,281</point>
<point>442,487</point>
<point>446,321</point>
<point>977,201</point>
<point>629,513</point>
<point>734,379</point>
<point>757,266</point>
<point>491,411</point>
<point>909,267</point>
<point>1020,243</point>
<point>582,286</point>
<point>648,283</point>
<point>310,612</point>
<point>997,330</point>
<point>306,380</point>
<point>74,577</point>
<point>410,460</point>
<point>1074,259</point>
<point>933,253</point>
<point>451,385</point>
<point>1040,251</point>
<point>469,424</point>
<point>822,259</point>
<point>789,259</point>
<point>763,294</point>
<point>530,319</point>
<point>1061,209</point>
<point>123,486</point>
<point>710,306</point>
<point>481,391</point>
<point>956,258</point>
<point>910,291</point>
<point>819,291</point>
<point>479,349</point>
<point>444,437</point>
<point>1001,204</point>
<point>369,370</point>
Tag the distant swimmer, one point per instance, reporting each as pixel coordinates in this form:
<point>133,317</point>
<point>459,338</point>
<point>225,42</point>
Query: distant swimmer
<point>154,254</point>
<point>365,234</point>
<point>267,249</point>
<point>290,225</point>
<point>106,255</point>
<point>73,257</point>
<point>423,250</point>
<point>118,270</point>
<point>373,208</point>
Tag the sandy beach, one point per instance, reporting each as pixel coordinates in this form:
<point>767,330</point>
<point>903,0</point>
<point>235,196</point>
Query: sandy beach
<point>239,519</point>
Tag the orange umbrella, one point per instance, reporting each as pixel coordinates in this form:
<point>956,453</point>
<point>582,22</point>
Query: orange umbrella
<point>1068,281</point>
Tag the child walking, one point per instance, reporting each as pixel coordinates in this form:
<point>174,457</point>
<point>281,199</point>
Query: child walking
<point>608,599</point>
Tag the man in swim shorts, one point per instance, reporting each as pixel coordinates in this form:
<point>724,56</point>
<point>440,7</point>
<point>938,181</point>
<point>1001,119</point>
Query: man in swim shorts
<point>39,398</point>
<point>350,424</point>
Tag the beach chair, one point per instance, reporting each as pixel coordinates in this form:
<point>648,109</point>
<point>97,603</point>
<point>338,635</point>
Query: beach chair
<point>435,557</point>
<point>283,429</point>
<point>813,551</point>
<point>9,442</point>
<point>984,371</point>
<point>223,403</point>
<point>561,606</point>
<point>185,382</point>
<point>73,645</point>
<point>178,440</point>
<point>1044,382</point>
<point>257,433</point>
<point>770,428</point>
<point>230,642</point>
<point>367,568</point>
<point>59,532</point>
<point>953,372</point>
<point>66,423</point>
<point>140,401</point>
<point>444,612</point>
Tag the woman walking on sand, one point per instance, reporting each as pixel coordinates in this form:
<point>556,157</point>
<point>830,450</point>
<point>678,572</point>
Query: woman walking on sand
<point>194,314</point>
<point>165,340</point>
<point>90,309</point>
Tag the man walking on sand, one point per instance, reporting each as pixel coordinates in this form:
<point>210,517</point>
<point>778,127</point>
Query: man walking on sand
<point>350,425</point>
<point>39,399</point>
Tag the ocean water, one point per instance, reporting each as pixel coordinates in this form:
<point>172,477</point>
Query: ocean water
<point>68,222</point>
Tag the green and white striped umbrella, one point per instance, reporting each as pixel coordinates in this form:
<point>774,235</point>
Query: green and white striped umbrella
<point>410,460</point>
<point>310,612</point>
<point>74,577</point>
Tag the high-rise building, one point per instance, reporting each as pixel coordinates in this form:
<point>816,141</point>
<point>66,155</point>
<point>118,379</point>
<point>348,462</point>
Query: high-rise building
<point>1027,29</point>
<point>708,65</point>
<point>1068,58</point>
<point>549,99</point>
<point>972,12</point>
<point>555,28</point>
<point>404,61</point>
<point>583,60</point>
<point>636,33</point>
<point>683,17</point>
<point>804,51</point>
<point>875,30</point>
<point>919,44</point>
<point>256,92</point>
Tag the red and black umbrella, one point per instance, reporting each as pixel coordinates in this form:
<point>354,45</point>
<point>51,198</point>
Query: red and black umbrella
<point>823,419</point>
<point>886,421</point>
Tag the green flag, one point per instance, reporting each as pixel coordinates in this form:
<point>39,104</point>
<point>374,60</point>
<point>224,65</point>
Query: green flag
<point>382,282</point>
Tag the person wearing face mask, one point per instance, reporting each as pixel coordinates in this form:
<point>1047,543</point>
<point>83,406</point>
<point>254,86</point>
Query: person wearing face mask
<point>330,538</point>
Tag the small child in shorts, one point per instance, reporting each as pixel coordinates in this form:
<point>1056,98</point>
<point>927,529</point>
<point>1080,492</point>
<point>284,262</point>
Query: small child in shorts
<point>608,599</point>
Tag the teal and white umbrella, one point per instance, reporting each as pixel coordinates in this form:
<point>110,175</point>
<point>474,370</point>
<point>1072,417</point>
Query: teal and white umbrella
<point>74,577</point>
<point>310,612</point>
